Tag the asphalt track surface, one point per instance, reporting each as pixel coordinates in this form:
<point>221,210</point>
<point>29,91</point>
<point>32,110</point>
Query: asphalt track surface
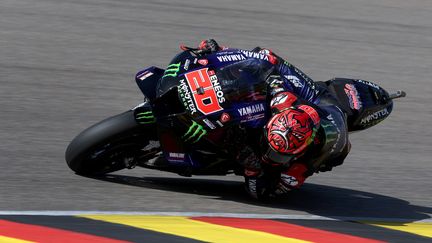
<point>65,65</point>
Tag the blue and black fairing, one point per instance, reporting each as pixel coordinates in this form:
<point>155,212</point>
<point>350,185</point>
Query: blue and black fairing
<point>241,79</point>
<point>238,75</point>
<point>147,81</point>
<point>365,103</point>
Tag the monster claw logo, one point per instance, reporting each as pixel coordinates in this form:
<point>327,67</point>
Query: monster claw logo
<point>195,130</point>
<point>145,117</point>
<point>172,70</point>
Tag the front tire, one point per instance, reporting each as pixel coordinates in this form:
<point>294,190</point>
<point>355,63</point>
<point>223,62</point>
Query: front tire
<point>108,145</point>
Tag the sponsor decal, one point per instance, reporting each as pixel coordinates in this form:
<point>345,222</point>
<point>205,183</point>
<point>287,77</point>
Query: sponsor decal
<point>186,65</point>
<point>251,54</point>
<point>353,96</point>
<point>294,80</point>
<point>231,58</point>
<point>186,97</point>
<point>309,81</point>
<point>251,112</point>
<point>289,180</point>
<point>225,117</point>
<point>252,117</point>
<point>203,62</point>
<point>368,83</point>
<point>145,75</point>
<point>172,70</point>
<point>269,54</point>
<point>206,90</point>
<point>251,109</point>
<point>219,123</point>
<point>282,101</point>
<point>252,186</point>
<point>176,156</point>
<point>265,51</point>
<point>378,115</point>
<point>275,81</point>
<point>145,117</point>
<point>195,133</point>
<point>279,99</point>
<point>277,90</point>
<point>209,123</point>
<point>331,119</point>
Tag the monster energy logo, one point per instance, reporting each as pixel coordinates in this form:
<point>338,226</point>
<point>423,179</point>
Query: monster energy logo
<point>195,131</point>
<point>172,70</point>
<point>145,117</point>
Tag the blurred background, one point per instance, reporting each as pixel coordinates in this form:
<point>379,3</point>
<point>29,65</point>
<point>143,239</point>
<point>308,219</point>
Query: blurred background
<point>65,65</point>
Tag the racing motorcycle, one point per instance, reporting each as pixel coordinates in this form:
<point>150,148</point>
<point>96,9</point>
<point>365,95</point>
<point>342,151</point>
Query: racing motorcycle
<point>195,108</point>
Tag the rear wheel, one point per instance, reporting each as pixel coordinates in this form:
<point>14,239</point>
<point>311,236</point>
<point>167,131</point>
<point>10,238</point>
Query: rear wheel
<point>110,145</point>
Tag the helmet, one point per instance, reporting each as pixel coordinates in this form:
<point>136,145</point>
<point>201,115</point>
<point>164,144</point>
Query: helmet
<point>292,130</point>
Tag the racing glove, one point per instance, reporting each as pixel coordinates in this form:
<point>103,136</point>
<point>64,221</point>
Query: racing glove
<point>258,186</point>
<point>294,177</point>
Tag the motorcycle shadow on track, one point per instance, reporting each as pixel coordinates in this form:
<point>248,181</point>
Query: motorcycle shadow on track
<point>327,201</point>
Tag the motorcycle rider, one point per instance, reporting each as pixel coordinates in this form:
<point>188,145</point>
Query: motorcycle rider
<point>306,134</point>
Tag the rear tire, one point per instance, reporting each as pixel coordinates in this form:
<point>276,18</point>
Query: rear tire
<point>106,146</point>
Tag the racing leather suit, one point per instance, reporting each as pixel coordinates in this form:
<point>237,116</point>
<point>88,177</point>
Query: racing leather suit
<point>265,175</point>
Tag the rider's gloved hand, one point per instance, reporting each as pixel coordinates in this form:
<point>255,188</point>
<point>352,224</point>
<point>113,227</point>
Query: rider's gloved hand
<point>209,46</point>
<point>294,177</point>
<point>257,186</point>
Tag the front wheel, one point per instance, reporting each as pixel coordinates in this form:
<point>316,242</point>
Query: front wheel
<point>110,145</point>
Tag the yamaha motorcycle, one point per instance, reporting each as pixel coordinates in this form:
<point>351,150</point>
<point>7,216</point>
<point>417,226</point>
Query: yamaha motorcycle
<point>198,110</point>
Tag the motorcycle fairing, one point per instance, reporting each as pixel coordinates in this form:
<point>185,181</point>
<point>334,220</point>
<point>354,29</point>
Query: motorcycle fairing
<point>240,82</point>
<point>147,81</point>
<point>244,93</point>
<point>373,105</point>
